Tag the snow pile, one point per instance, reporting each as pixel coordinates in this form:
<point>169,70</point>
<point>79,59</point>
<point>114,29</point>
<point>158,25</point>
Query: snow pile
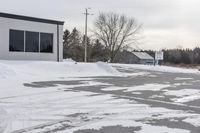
<point>5,71</point>
<point>46,69</point>
<point>3,121</point>
<point>69,60</point>
<point>104,66</point>
<point>158,68</point>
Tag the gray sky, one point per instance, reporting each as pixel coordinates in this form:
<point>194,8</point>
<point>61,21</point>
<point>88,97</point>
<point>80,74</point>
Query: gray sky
<point>166,23</point>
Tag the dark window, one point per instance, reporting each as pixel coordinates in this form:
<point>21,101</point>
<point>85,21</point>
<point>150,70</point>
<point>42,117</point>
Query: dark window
<point>32,41</point>
<point>16,40</point>
<point>46,42</point>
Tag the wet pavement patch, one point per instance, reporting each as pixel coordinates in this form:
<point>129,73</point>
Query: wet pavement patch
<point>112,129</point>
<point>172,123</point>
<point>45,84</point>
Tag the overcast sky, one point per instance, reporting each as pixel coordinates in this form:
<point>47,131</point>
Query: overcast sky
<point>166,23</point>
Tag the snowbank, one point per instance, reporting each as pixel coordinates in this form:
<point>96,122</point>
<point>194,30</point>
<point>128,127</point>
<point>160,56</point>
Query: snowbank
<point>158,68</point>
<point>68,60</point>
<point>6,71</point>
<point>107,68</point>
<point>54,69</point>
<point>3,120</point>
<point>13,74</point>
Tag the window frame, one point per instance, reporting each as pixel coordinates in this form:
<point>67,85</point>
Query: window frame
<point>38,39</point>
<point>25,38</point>
<point>10,40</point>
<point>52,42</point>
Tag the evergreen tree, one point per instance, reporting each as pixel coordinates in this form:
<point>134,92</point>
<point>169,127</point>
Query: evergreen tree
<point>66,38</point>
<point>73,47</point>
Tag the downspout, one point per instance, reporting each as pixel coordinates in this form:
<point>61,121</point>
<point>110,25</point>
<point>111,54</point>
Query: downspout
<point>58,52</point>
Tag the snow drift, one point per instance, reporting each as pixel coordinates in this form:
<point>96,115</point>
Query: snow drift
<point>167,69</point>
<point>3,120</point>
<point>39,69</point>
<point>105,67</point>
<point>6,71</point>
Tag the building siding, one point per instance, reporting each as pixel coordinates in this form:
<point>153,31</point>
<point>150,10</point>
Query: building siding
<point>7,23</point>
<point>130,58</point>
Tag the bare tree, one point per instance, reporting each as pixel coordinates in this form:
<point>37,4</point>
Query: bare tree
<point>116,31</point>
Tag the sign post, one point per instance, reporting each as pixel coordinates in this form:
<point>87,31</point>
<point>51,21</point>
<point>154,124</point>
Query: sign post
<point>158,56</point>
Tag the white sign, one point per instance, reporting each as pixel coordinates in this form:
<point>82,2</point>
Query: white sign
<point>159,55</point>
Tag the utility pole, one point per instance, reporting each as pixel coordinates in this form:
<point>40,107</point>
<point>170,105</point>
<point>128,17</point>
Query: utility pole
<point>85,38</point>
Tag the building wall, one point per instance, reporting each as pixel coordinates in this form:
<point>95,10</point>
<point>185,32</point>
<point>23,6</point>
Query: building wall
<point>146,61</point>
<point>133,59</point>
<point>130,58</point>
<point>127,58</point>
<point>6,24</point>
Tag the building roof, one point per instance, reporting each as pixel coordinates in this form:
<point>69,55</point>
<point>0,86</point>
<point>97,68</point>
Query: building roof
<point>27,18</point>
<point>143,55</point>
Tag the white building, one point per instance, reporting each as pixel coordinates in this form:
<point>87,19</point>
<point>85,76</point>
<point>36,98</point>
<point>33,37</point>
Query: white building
<point>29,38</point>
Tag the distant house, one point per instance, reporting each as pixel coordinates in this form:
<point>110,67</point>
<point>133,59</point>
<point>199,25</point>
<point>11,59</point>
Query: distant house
<point>135,58</point>
<point>143,58</point>
<point>30,38</point>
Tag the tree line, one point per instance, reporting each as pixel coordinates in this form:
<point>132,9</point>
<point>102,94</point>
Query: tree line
<point>179,56</point>
<point>113,34</point>
<point>97,51</point>
<point>182,56</point>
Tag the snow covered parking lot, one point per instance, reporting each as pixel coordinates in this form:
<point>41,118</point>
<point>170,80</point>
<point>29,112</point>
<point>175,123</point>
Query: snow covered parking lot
<point>69,97</point>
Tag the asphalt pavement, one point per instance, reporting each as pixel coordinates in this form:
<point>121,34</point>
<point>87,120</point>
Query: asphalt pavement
<point>154,99</point>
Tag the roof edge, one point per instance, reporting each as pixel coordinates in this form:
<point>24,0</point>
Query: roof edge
<point>28,18</point>
<point>140,57</point>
